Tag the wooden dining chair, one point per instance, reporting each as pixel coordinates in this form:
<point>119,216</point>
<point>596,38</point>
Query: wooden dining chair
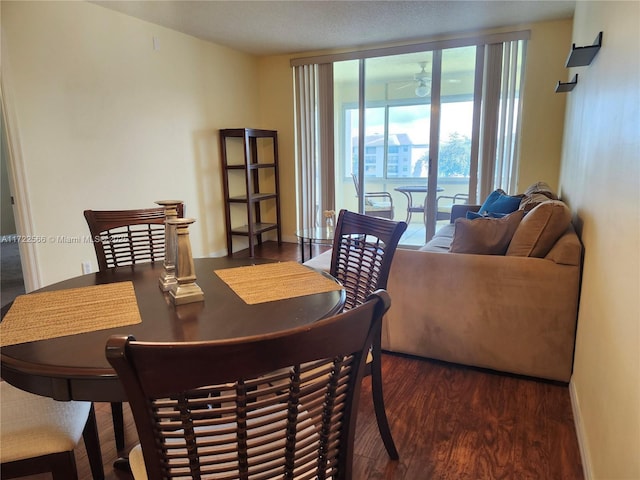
<point>121,238</point>
<point>127,237</point>
<point>363,249</point>
<point>285,407</point>
<point>38,435</point>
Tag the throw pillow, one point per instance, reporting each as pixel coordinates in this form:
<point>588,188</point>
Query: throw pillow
<point>499,202</point>
<point>542,188</point>
<point>473,215</point>
<point>485,236</point>
<point>540,229</point>
<point>493,196</point>
<point>535,194</point>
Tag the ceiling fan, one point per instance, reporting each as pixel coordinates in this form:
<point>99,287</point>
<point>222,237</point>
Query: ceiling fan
<point>423,80</point>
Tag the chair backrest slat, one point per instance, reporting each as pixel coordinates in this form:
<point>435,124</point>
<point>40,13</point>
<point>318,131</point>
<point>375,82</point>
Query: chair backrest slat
<point>127,237</point>
<point>363,249</point>
<point>285,407</point>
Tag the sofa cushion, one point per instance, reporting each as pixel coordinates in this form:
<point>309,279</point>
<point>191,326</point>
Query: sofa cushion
<point>446,231</point>
<point>320,262</point>
<point>437,244</point>
<point>540,229</point>
<point>567,250</point>
<point>441,240</point>
<point>499,202</point>
<point>485,236</point>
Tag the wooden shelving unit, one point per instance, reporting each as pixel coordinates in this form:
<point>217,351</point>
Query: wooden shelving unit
<point>251,180</point>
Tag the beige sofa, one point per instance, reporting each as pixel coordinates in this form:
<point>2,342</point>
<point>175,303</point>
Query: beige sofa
<point>513,312</point>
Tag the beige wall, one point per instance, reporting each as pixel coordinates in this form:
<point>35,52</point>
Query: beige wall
<point>106,122</point>
<point>600,178</point>
<point>276,113</point>
<point>543,109</point>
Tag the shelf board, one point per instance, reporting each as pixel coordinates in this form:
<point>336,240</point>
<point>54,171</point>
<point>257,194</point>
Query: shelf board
<point>582,56</point>
<point>567,86</point>
<point>252,166</point>
<point>249,132</point>
<point>258,228</point>
<point>256,197</point>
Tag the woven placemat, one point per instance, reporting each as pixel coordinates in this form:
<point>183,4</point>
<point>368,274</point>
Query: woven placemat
<point>269,282</point>
<point>39,316</point>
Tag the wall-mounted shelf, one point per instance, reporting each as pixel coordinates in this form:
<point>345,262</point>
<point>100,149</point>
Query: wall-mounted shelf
<point>581,56</point>
<point>567,86</point>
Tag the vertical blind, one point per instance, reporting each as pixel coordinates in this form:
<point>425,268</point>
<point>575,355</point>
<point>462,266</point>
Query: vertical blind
<point>314,143</point>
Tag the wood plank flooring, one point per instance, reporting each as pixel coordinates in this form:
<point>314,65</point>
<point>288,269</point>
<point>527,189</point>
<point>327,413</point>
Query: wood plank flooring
<point>449,423</point>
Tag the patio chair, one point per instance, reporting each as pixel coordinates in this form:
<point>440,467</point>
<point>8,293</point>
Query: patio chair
<point>199,415</point>
<point>443,210</point>
<point>376,204</point>
<point>363,249</point>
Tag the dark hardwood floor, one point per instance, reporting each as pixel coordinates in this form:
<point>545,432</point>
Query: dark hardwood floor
<point>449,422</point>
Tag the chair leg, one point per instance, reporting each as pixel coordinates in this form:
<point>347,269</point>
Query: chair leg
<point>378,400</point>
<point>63,466</point>
<point>92,444</point>
<point>118,424</point>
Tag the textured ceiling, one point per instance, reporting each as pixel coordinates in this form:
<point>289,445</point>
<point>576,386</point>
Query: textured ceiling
<point>285,27</point>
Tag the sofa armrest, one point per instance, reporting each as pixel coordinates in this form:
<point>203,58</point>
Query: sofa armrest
<point>460,210</point>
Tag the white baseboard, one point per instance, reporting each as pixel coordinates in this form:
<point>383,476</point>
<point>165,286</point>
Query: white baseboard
<point>580,432</point>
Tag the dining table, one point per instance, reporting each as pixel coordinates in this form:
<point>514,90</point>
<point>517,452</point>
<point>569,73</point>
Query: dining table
<point>73,366</point>
<point>52,341</point>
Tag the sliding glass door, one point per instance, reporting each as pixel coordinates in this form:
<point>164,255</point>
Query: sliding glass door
<point>454,162</point>
<point>405,111</point>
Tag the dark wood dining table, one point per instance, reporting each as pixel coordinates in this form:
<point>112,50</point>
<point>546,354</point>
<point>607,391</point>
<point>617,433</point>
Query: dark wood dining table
<point>74,367</point>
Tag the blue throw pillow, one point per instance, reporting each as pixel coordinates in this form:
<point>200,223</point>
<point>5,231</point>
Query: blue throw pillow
<point>473,215</point>
<point>499,202</point>
<point>493,196</point>
<point>505,204</point>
